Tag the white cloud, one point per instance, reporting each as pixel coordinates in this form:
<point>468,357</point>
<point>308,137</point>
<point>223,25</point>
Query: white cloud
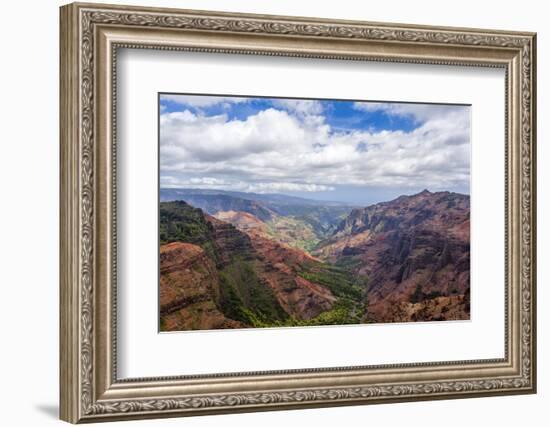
<point>274,187</point>
<point>202,101</point>
<point>419,112</point>
<point>169,181</point>
<point>190,137</point>
<point>274,150</point>
<point>300,106</point>
<point>172,181</point>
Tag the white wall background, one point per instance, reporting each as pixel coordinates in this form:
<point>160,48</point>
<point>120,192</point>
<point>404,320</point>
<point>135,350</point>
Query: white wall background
<point>29,170</point>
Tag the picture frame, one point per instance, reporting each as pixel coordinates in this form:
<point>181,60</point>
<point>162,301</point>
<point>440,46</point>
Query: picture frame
<point>91,37</point>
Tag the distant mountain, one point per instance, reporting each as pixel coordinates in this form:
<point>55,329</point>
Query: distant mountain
<point>214,276</point>
<point>415,252</point>
<point>317,216</point>
<point>214,203</point>
<point>244,221</point>
<point>287,230</point>
<point>170,194</point>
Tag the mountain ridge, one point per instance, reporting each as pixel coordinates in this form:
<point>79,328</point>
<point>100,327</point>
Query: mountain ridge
<point>407,259</point>
<point>257,281</point>
<point>171,194</point>
<point>283,214</point>
<point>412,249</point>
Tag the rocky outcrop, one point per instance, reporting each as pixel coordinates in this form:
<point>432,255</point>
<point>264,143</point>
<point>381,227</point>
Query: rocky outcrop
<point>279,267</point>
<point>398,261</point>
<point>244,221</point>
<point>287,230</point>
<point>231,278</point>
<point>454,307</point>
<point>228,242</point>
<point>189,290</point>
<point>414,250</point>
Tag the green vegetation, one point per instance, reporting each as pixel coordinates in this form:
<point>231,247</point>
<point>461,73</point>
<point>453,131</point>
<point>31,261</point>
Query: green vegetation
<point>321,219</point>
<point>245,298</point>
<point>243,295</point>
<point>350,289</point>
<point>341,282</point>
<point>293,232</point>
<point>344,312</point>
<point>180,222</point>
<point>304,227</point>
<point>348,263</point>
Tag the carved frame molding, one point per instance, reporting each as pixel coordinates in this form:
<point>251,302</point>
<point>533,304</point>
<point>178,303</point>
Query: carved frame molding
<point>90,390</point>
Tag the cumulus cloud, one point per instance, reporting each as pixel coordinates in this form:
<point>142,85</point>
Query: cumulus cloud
<point>186,136</point>
<point>419,112</point>
<point>169,181</point>
<point>201,101</point>
<point>172,181</point>
<point>274,187</point>
<point>291,147</point>
<point>300,106</point>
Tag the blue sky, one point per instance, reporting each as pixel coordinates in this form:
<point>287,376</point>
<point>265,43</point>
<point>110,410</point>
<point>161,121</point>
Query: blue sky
<point>339,114</point>
<point>356,152</point>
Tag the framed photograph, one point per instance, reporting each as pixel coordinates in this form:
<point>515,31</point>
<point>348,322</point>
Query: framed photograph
<point>266,212</point>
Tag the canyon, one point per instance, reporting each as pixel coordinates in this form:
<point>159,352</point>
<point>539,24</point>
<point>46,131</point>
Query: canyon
<point>227,261</point>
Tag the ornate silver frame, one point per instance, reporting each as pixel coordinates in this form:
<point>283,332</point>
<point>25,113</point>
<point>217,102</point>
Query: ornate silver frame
<point>90,36</point>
